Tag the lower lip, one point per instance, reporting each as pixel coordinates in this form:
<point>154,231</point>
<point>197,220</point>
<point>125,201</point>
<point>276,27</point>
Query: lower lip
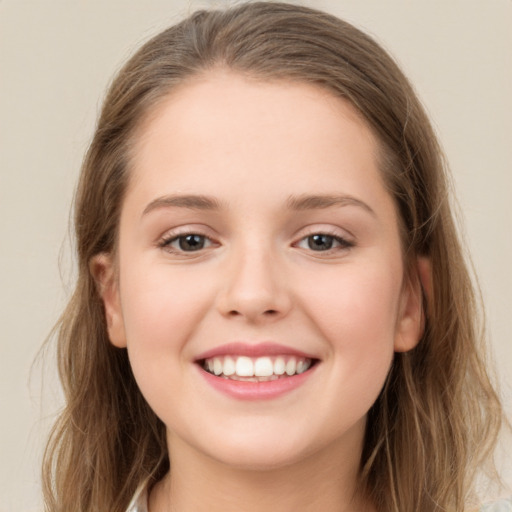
<point>265,390</point>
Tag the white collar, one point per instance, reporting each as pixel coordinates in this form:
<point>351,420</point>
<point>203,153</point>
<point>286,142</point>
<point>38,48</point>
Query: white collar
<point>139,502</point>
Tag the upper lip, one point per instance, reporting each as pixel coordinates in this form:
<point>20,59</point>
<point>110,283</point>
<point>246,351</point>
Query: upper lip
<point>253,350</point>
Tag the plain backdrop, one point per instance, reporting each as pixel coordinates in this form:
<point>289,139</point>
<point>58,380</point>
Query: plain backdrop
<point>56,59</point>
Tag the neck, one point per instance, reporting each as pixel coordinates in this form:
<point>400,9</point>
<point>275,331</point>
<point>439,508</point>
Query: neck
<point>319,482</point>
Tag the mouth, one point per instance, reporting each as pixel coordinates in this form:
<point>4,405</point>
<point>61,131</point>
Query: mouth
<point>261,371</point>
<point>256,369</point>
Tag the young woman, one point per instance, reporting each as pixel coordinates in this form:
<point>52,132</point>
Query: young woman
<point>272,309</point>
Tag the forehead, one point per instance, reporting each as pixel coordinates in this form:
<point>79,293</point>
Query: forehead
<point>209,95</point>
<point>225,126</point>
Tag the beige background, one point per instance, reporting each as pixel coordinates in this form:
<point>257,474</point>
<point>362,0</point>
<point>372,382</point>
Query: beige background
<point>56,58</point>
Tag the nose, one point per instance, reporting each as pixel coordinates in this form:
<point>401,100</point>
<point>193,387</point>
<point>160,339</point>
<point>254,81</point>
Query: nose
<point>255,288</point>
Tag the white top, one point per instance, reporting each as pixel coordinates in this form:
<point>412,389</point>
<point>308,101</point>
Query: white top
<point>140,503</point>
<point>498,506</point>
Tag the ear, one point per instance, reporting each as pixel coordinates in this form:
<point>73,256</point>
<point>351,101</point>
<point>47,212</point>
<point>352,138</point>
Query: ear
<point>411,321</point>
<point>103,270</point>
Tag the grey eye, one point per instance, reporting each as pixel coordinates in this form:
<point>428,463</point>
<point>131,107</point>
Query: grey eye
<point>191,242</point>
<point>186,243</point>
<point>320,242</point>
<point>323,242</point>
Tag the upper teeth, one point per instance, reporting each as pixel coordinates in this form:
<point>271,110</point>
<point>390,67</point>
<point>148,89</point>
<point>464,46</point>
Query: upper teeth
<point>243,366</point>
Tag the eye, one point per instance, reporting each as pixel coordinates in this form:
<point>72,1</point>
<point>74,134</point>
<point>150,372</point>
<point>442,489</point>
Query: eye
<point>190,242</point>
<point>323,242</point>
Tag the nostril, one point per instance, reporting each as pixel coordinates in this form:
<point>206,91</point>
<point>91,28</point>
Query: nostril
<point>270,312</point>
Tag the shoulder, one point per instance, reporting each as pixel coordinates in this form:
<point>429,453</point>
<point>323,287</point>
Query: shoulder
<point>498,506</point>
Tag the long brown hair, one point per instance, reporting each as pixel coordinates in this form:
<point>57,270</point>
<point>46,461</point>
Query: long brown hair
<point>438,415</point>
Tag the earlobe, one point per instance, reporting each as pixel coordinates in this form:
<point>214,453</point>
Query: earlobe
<point>102,268</point>
<point>412,312</point>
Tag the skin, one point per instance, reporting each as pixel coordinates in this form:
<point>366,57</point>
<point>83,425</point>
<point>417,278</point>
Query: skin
<point>250,146</point>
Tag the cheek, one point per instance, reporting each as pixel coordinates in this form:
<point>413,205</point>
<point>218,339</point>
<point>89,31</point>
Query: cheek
<point>159,299</point>
<point>355,304</point>
<point>356,311</point>
<point>162,308</point>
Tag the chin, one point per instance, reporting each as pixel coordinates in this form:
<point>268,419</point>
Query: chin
<point>257,458</point>
<point>261,451</point>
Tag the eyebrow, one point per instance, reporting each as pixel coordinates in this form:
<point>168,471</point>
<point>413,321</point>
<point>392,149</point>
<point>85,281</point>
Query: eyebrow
<point>302,202</point>
<point>192,202</point>
<point>320,202</point>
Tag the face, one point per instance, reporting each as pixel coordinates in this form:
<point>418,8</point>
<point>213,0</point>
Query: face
<point>258,283</point>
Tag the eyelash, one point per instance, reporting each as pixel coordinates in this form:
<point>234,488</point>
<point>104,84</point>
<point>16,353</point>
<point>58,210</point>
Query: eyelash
<point>167,242</point>
<point>343,243</point>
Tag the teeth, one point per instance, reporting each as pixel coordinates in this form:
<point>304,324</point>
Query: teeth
<point>217,365</point>
<point>279,366</point>
<point>229,367</point>
<point>256,369</point>
<point>244,367</point>
<point>301,367</point>
<point>263,367</point>
<point>291,366</point>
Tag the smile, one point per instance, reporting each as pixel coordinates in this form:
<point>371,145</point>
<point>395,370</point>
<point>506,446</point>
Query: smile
<point>260,371</point>
<point>256,369</point>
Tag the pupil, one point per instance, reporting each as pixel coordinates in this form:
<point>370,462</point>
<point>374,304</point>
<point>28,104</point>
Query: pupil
<point>191,242</point>
<point>320,242</point>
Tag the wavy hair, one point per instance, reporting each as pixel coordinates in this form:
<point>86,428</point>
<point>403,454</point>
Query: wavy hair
<point>436,420</point>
